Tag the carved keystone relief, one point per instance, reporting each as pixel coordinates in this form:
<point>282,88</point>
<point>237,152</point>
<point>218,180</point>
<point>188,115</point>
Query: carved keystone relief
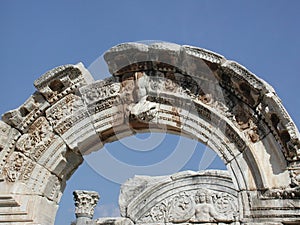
<point>103,102</point>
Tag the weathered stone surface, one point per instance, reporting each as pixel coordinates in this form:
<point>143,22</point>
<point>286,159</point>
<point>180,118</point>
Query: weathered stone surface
<point>113,221</point>
<point>188,91</point>
<point>282,127</point>
<point>8,139</point>
<point>70,118</point>
<point>62,80</point>
<point>26,114</point>
<point>195,197</point>
<point>85,202</point>
<point>104,106</point>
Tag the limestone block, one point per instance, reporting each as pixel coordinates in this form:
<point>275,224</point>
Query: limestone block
<point>263,207</point>
<point>119,58</point>
<point>241,174</point>
<point>62,80</point>
<point>272,162</point>
<point>164,56</point>
<point>24,213</point>
<point>44,183</point>
<point>22,117</point>
<point>26,177</point>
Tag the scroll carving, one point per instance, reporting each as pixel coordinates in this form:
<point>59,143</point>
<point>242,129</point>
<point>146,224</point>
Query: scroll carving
<point>200,206</point>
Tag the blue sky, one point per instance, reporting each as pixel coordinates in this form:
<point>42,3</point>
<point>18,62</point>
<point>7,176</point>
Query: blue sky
<point>39,35</point>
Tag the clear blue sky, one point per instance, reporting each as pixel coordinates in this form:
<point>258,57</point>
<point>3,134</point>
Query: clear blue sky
<point>39,35</point>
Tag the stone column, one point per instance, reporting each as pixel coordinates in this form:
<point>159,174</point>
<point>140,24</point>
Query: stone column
<point>85,203</point>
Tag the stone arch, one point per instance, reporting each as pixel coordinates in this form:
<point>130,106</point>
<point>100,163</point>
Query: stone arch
<point>188,90</point>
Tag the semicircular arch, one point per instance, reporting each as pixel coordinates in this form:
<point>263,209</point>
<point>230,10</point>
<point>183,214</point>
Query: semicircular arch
<point>182,89</point>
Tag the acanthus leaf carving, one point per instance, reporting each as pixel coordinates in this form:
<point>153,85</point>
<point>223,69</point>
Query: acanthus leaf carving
<point>85,203</point>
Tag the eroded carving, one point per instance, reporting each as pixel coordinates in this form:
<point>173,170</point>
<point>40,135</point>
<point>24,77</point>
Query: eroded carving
<point>25,115</point>
<point>134,98</point>
<point>18,167</point>
<point>217,207</point>
<point>200,206</point>
<point>245,121</point>
<point>39,137</point>
<point>85,203</point>
<point>66,112</point>
<point>8,139</point>
<point>62,80</point>
<point>100,90</point>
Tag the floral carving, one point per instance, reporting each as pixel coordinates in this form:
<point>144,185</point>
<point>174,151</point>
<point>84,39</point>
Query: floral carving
<point>18,167</point>
<point>181,208</point>
<point>39,137</point>
<point>199,206</point>
<point>101,90</point>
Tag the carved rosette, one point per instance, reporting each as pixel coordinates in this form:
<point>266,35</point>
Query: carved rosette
<point>85,203</point>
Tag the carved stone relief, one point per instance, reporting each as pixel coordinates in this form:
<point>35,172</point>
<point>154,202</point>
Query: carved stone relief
<point>65,113</point>
<point>62,80</point>
<point>201,206</point>
<point>18,167</point>
<point>24,116</point>
<point>186,88</point>
<point>37,140</point>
